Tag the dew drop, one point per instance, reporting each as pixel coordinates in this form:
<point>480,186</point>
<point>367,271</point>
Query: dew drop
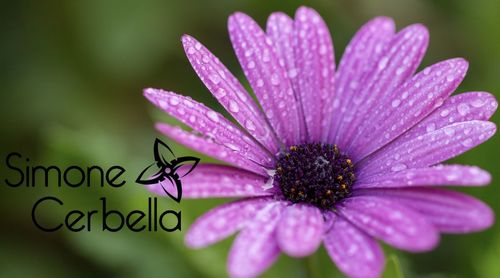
<point>275,79</point>
<point>251,65</point>
<point>444,113</point>
<point>265,56</point>
<point>322,49</point>
<point>260,83</point>
<point>174,101</point>
<point>233,106</point>
<point>399,167</point>
<point>241,95</point>
<point>215,78</point>
<point>477,103</point>
<point>249,125</point>
<point>463,109</point>
<point>220,93</point>
<point>449,131</point>
<point>395,103</point>
<point>191,50</point>
<point>467,142</point>
<point>383,63</point>
<point>430,127</point>
<point>213,116</point>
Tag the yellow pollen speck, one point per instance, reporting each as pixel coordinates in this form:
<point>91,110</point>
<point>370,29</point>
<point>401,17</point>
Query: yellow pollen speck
<point>340,178</point>
<point>293,148</point>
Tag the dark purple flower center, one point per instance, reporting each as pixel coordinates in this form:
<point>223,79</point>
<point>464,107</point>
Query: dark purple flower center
<point>314,173</point>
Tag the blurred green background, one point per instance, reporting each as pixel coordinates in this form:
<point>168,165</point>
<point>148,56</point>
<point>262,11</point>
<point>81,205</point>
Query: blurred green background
<point>72,74</point>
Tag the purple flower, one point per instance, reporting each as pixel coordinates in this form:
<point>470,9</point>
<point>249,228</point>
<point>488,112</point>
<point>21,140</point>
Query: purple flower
<point>339,157</point>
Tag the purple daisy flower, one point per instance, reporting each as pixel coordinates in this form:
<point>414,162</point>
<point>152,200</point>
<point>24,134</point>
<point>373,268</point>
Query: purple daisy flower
<point>340,157</point>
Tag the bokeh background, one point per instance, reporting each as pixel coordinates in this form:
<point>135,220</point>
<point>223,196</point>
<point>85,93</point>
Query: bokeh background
<point>71,79</point>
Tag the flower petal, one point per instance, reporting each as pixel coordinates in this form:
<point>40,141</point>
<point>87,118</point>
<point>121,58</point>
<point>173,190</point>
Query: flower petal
<point>399,61</point>
<point>218,181</point>
<point>391,222</point>
<point>408,105</point>
<point>229,92</point>
<point>280,29</point>
<point>358,59</point>
<point>354,252</point>
<point>459,108</point>
<point>448,211</point>
<point>315,61</point>
<point>440,175</point>
<point>300,230</point>
<point>208,147</point>
<point>268,78</point>
<point>209,123</point>
<point>256,248</point>
<point>222,221</point>
<point>428,149</point>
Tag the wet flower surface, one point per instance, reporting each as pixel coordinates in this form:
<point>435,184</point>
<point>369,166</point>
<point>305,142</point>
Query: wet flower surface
<point>336,156</point>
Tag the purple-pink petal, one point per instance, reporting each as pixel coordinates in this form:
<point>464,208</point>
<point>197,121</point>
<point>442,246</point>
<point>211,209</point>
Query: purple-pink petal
<point>399,61</point>
<point>229,92</point>
<point>300,230</point>
<point>267,76</point>
<point>219,181</point>
<point>409,104</point>
<point>354,252</point>
<point>391,222</point>
<point>459,108</point>
<point>221,222</point>
<point>208,147</point>
<point>210,123</point>
<point>256,248</point>
<point>448,211</point>
<point>315,61</point>
<point>440,175</point>
<point>428,149</point>
<point>280,29</point>
<point>358,59</point>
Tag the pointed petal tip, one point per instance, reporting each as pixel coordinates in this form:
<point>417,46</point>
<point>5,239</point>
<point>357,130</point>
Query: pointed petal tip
<point>418,30</point>
<point>186,40</point>
<point>304,12</point>
<point>150,94</point>
<point>383,22</point>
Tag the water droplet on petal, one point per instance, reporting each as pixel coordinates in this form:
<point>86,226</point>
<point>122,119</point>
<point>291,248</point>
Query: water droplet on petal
<point>233,106</point>
<point>215,78</point>
<point>275,79</point>
<point>174,101</point>
<point>430,127</point>
<point>395,103</point>
<point>383,63</point>
<point>477,103</point>
<point>444,113</point>
<point>213,116</point>
<point>467,142</point>
<point>399,167</point>
<point>450,131</point>
<point>463,109</point>
<point>220,93</point>
<point>249,125</point>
